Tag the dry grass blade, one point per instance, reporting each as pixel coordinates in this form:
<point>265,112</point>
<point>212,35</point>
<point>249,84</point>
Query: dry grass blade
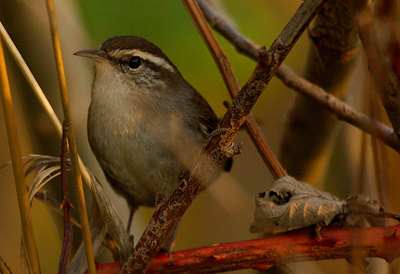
<point>110,217</point>
<point>71,140</point>
<point>57,125</point>
<point>104,217</point>
<point>107,210</point>
<point>34,163</point>
<point>98,230</point>
<point>44,176</point>
<point>31,80</point>
<point>25,212</point>
<point>39,94</point>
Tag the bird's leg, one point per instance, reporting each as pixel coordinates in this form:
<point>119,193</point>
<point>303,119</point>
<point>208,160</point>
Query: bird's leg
<point>170,242</point>
<point>132,210</point>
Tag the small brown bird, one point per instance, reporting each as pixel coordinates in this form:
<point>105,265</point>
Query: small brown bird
<point>146,123</point>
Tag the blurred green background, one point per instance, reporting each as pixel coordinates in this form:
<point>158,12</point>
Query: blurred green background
<point>224,211</point>
<point>167,24</point>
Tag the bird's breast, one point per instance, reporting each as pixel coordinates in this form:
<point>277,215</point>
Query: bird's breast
<point>144,149</point>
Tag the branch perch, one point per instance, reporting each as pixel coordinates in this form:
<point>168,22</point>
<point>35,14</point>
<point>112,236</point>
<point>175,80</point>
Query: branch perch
<point>296,246</point>
<point>218,147</point>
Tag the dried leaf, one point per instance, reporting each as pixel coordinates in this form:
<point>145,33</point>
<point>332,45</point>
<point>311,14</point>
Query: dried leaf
<point>98,230</point>
<point>291,204</point>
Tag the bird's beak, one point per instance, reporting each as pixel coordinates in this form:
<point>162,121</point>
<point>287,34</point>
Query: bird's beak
<point>95,54</point>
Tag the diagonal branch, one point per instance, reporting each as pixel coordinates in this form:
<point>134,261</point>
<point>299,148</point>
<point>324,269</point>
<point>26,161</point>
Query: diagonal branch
<point>340,109</point>
<point>291,79</point>
<point>229,78</point>
<point>219,147</point>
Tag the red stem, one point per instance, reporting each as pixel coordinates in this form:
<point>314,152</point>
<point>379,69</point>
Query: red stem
<point>299,245</point>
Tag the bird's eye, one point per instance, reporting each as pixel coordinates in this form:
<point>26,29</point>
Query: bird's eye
<point>135,62</point>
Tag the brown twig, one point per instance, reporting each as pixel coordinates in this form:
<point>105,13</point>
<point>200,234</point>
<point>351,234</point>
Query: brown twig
<point>379,37</point>
<point>340,109</point>
<point>28,237</point>
<point>66,205</point>
<point>217,22</point>
<point>300,245</point>
<point>219,147</point>
<point>229,78</point>
<point>299,84</point>
<point>71,139</point>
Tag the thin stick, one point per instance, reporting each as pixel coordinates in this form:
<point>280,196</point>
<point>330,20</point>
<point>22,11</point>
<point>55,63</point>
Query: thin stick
<point>292,80</point>
<point>15,151</point>
<point>340,109</point>
<point>31,80</point>
<point>228,75</point>
<point>71,139</point>
<point>66,206</point>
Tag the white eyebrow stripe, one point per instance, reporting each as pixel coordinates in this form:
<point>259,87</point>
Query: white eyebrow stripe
<point>144,55</point>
